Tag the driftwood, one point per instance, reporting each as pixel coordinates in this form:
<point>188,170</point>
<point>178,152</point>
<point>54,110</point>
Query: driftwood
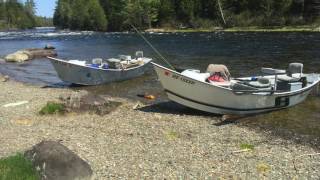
<point>28,54</point>
<point>38,53</point>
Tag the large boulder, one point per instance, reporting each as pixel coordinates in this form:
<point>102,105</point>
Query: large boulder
<point>28,54</point>
<point>82,101</point>
<point>54,161</point>
<point>4,78</point>
<point>19,56</point>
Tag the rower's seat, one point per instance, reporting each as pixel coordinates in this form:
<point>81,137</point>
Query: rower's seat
<point>221,69</point>
<point>294,73</point>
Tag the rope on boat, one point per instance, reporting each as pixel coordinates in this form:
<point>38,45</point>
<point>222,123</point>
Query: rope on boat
<point>153,48</point>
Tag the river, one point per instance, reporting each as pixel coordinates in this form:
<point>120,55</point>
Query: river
<point>243,53</point>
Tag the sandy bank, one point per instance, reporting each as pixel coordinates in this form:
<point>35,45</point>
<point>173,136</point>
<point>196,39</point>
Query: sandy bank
<point>153,141</point>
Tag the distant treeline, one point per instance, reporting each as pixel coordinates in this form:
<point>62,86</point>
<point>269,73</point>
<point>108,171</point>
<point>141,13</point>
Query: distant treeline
<point>16,15</point>
<point>117,15</point>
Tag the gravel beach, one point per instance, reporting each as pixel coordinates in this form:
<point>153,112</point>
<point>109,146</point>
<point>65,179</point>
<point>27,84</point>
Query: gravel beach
<point>153,141</point>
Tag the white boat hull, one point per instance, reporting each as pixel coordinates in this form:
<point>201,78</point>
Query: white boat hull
<point>219,100</point>
<point>84,75</point>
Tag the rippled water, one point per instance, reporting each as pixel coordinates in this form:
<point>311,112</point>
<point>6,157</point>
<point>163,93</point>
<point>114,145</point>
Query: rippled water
<point>243,53</point>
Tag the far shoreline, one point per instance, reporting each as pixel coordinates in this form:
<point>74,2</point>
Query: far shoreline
<point>238,29</point>
<point>306,28</point>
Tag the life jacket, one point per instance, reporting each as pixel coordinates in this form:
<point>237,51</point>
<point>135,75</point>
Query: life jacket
<point>216,78</point>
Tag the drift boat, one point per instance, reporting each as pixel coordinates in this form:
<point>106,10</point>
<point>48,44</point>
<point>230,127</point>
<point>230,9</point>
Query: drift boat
<point>99,71</point>
<point>215,92</point>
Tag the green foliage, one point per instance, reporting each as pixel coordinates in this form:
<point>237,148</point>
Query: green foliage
<point>120,14</point>
<point>247,146</point>
<point>172,135</point>
<point>14,14</point>
<point>44,21</point>
<point>16,168</point>
<point>80,14</point>
<point>52,108</point>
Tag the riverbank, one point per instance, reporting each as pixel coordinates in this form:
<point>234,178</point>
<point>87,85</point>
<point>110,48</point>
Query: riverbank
<point>153,141</point>
<point>241,29</point>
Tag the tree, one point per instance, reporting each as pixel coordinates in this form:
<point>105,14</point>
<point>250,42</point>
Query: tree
<point>97,17</point>
<point>30,7</point>
<point>80,14</point>
<point>166,12</point>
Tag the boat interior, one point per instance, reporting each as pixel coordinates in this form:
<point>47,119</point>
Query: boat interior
<point>122,62</point>
<point>271,80</point>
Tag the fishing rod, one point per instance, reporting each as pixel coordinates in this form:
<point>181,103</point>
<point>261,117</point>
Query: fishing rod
<point>153,48</point>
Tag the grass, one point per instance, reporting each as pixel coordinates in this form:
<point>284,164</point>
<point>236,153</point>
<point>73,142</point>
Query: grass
<point>245,146</point>
<point>263,168</point>
<point>172,135</point>
<point>52,108</point>
<point>17,168</point>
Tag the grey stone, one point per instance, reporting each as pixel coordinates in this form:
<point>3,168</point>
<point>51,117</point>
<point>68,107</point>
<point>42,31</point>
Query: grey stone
<point>54,161</point>
<point>28,54</point>
<point>4,78</point>
<point>82,101</point>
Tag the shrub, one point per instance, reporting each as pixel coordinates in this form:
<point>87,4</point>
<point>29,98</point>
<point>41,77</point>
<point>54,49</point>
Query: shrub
<point>247,146</point>
<point>16,168</point>
<point>52,108</point>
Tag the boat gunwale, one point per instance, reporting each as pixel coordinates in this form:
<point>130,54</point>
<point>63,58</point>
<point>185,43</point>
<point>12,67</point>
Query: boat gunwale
<point>111,70</point>
<point>288,93</point>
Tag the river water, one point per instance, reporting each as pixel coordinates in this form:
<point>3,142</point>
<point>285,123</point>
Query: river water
<point>243,53</point>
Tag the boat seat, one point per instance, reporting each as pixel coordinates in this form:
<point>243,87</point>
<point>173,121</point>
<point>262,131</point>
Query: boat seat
<point>195,74</point>
<point>289,78</point>
<point>294,73</point>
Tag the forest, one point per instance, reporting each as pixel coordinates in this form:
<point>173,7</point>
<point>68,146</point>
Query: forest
<point>17,15</point>
<point>118,15</point>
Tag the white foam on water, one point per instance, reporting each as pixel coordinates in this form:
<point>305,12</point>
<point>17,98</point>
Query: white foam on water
<point>42,33</point>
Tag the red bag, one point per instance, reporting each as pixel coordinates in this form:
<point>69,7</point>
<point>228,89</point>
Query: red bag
<point>216,78</point>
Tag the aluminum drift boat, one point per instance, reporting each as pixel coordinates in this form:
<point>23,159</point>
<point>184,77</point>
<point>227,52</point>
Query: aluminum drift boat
<point>100,72</point>
<point>273,91</point>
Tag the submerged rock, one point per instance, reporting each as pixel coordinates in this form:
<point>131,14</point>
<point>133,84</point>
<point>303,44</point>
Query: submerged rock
<point>28,54</point>
<point>54,161</point>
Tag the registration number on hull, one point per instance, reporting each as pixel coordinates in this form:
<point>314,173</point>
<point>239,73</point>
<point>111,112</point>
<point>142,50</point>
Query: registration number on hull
<point>183,79</point>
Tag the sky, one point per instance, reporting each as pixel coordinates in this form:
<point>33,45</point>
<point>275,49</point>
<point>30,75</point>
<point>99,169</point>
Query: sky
<point>45,7</point>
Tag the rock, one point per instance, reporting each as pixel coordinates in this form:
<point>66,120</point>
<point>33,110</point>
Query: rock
<point>49,46</point>
<point>232,117</point>
<point>54,161</point>
<point>18,56</point>
<point>2,61</point>
<point>4,78</point>
<point>28,54</point>
<point>74,100</point>
<point>82,101</point>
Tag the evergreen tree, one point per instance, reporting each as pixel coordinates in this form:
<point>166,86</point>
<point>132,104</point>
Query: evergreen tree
<point>30,7</point>
<point>94,14</point>
<point>97,17</point>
